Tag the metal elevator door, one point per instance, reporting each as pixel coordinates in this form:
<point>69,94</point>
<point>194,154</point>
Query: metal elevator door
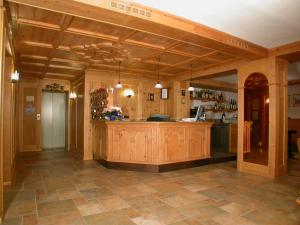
<point>53,118</point>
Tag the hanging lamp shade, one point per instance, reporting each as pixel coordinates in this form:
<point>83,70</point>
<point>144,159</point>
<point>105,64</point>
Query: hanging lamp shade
<point>119,85</point>
<point>158,84</point>
<point>191,88</point>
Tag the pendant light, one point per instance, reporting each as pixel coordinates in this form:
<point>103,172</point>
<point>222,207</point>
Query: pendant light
<point>191,88</point>
<point>158,85</point>
<point>119,85</point>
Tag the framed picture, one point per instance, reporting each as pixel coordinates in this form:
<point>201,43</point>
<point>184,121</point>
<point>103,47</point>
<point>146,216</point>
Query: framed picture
<point>296,100</point>
<point>164,93</point>
<point>151,97</point>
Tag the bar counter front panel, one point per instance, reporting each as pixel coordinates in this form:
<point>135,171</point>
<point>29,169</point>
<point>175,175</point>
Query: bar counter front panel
<point>150,145</point>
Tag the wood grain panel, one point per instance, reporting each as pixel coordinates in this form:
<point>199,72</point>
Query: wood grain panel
<point>150,142</point>
<point>29,131</point>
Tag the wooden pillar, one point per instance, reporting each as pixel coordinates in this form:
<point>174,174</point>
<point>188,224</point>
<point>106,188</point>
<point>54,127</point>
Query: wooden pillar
<point>276,72</point>
<point>181,103</point>
<point>8,123</point>
<point>2,66</point>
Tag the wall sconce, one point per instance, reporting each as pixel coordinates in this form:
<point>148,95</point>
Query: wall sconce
<point>72,95</point>
<point>15,76</point>
<point>128,93</point>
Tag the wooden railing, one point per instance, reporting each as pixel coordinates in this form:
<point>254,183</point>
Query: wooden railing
<point>247,136</point>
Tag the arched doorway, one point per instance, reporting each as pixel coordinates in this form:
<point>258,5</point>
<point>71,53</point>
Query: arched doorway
<point>256,117</point>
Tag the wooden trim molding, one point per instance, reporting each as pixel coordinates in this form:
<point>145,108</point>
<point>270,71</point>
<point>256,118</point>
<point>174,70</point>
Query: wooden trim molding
<point>164,167</point>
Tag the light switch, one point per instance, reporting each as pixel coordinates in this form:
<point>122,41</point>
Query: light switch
<point>38,116</point>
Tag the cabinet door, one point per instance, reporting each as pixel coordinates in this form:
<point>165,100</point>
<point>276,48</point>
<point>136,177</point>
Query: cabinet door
<point>173,143</point>
<point>197,141</point>
<point>141,144</point>
<point>121,149</point>
<point>132,145</point>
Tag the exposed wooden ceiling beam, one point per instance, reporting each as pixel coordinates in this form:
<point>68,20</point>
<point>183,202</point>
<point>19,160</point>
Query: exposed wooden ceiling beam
<point>211,83</point>
<point>127,36</point>
<point>65,23</point>
<point>69,61</point>
<point>179,64</point>
<point>60,75</point>
<point>159,23</point>
<point>206,71</point>
<point>290,52</point>
<point>65,67</point>
<point>39,24</point>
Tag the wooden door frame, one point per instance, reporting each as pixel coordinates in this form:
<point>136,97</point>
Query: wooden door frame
<point>2,67</point>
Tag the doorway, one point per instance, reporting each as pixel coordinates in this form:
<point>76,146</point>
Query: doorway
<point>54,119</point>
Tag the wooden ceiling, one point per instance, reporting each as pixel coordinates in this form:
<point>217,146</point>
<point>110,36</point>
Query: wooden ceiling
<point>44,39</point>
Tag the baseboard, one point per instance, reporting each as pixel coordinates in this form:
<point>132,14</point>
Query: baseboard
<point>163,167</point>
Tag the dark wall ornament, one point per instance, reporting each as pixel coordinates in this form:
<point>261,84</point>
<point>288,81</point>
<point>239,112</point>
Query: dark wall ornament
<point>98,103</point>
<point>54,87</point>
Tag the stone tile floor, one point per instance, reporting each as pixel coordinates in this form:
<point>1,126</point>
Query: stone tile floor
<point>52,188</point>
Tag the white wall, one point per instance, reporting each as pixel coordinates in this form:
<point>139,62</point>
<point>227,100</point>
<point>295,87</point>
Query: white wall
<point>294,112</point>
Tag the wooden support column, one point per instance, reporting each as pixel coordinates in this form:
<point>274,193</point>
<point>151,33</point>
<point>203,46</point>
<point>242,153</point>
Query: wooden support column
<point>181,102</point>
<point>2,65</point>
<point>275,70</point>
<point>8,123</point>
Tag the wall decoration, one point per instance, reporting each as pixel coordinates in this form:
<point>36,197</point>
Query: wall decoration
<point>98,103</point>
<point>151,97</point>
<point>55,87</point>
<point>182,93</point>
<point>296,100</point>
<point>164,93</point>
<point>105,52</point>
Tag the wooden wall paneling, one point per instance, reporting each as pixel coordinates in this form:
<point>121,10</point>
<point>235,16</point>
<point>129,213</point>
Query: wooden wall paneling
<point>2,67</point>
<point>233,136</point>
<point>80,120</point>
<point>30,106</point>
<point>8,118</point>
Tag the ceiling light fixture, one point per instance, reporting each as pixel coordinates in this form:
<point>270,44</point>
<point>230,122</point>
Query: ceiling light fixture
<point>191,88</point>
<point>15,76</point>
<point>72,95</point>
<point>158,85</point>
<point>119,85</point>
<point>128,93</point>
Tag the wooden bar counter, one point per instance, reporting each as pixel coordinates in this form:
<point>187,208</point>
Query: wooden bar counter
<point>151,146</point>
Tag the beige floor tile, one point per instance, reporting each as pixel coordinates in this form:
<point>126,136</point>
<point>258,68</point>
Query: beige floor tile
<point>52,188</point>
<point>196,187</point>
<point>68,193</point>
<point>56,207</point>
<point>13,221</point>
<point>66,218</point>
<point>93,193</point>
<point>237,209</point>
<point>162,214</point>
<point>20,208</point>
<point>109,218</point>
<point>113,203</point>
<point>89,207</point>
<point>30,220</point>
<point>145,201</point>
